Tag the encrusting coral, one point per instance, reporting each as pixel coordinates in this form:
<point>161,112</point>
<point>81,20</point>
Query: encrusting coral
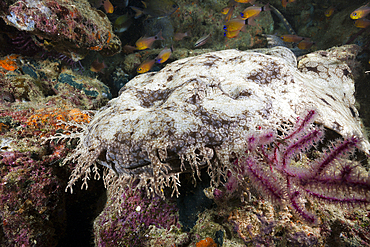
<point>199,111</point>
<point>31,201</point>
<point>35,95</point>
<point>8,63</point>
<point>129,226</point>
<point>69,27</point>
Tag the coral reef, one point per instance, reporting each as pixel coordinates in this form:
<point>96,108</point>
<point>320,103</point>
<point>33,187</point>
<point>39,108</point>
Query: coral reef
<point>18,42</point>
<point>37,99</point>
<point>269,164</point>
<point>199,111</point>
<point>69,27</point>
<point>166,238</point>
<point>88,92</point>
<point>207,242</point>
<point>33,209</point>
<point>258,222</point>
<point>48,119</point>
<point>204,17</point>
<point>31,204</point>
<point>195,116</point>
<point>8,63</point>
<point>24,79</point>
<point>127,223</point>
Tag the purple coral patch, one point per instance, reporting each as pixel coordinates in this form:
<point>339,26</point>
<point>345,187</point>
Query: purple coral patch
<point>128,223</point>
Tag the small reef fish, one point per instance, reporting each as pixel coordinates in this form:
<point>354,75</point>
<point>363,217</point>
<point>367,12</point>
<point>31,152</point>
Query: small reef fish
<point>228,11</point>
<point>285,2</point>
<point>362,23</point>
<point>108,7</point>
<point>156,8</point>
<point>180,36</point>
<point>245,1</point>
<point>145,66</point>
<point>291,38</point>
<point>329,12</point>
<point>360,12</point>
<point>128,49</point>
<point>225,10</point>
<point>232,34</point>
<point>305,44</point>
<point>233,25</point>
<point>147,42</point>
<point>202,40</point>
<point>164,55</point>
<point>122,23</point>
<point>230,14</point>
<point>97,66</point>
<point>253,11</point>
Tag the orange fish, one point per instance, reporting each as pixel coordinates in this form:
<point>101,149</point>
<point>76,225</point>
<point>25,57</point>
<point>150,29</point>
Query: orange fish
<point>225,10</point>
<point>284,3</point>
<point>145,66</point>
<point>360,12</point>
<point>291,38</point>
<point>97,66</point>
<point>245,1</point>
<point>164,55</point>
<point>329,12</point>
<point>233,25</point>
<point>230,12</point>
<point>147,42</point>
<point>108,7</point>
<point>231,35</point>
<point>362,23</point>
<point>253,11</point>
<point>305,44</point>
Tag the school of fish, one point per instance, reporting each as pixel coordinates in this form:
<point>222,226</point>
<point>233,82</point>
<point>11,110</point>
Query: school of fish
<point>232,27</point>
<point>359,15</point>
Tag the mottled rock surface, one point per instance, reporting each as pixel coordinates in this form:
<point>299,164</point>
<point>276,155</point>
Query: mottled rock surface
<point>69,27</point>
<point>199,110</point>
